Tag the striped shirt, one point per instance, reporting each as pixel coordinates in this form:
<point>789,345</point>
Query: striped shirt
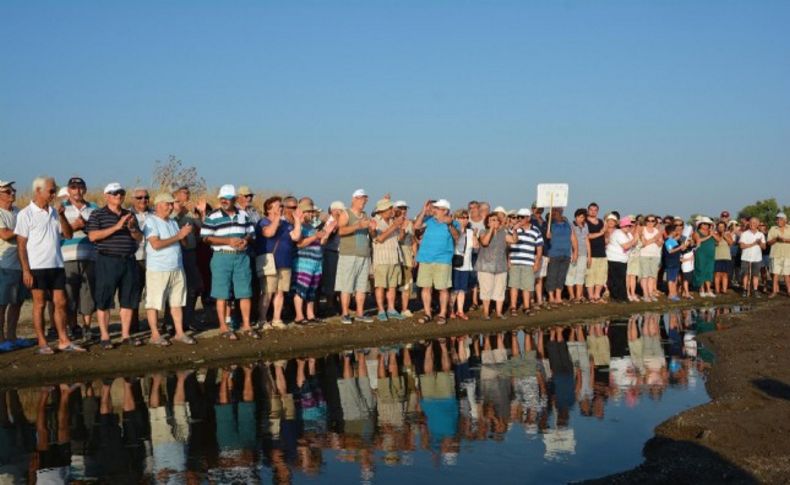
<point>120,243</point>
<point>221,224</point>
<point>387,252</point>
<point>527,244</point>
<point>79,247</point>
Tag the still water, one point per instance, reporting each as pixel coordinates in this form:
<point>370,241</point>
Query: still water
<point>549,406</point>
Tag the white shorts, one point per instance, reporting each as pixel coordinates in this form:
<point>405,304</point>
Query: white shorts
<point>544,267</point>
<point>780,266</point>
<point>165,286</point>
<point>577,272</point>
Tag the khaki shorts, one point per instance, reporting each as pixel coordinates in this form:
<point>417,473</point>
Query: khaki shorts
<point>648,267</point>
<point>492,285</point>
<point>281,281</point>
<point>165,286</point>
<point>780,266</point>
<point>577,272</point>
<point>352,274</point>
<point>386,275</point>
<point>435,275</point>
<point>521,277</point>
<point>632,268</point>
<point>597,274</point>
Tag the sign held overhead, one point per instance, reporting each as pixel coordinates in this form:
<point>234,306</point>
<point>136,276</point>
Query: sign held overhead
<point>552,195</point>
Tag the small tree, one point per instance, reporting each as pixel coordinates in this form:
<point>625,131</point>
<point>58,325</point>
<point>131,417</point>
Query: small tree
<point>765,210</point>
<point>173,173</point>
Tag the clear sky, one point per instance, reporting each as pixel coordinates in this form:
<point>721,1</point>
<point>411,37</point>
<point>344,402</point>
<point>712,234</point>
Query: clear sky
<point>671,106</point>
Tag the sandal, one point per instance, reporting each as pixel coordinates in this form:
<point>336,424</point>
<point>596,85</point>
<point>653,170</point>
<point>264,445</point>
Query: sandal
<point>251,334</point>
<point>441,320</point>
<point>160,342</point>
<point>229,335</point>
<point>462,316</point>
<point>72,347</point>
<point>513,312</point>
<point>106,344</point>
<point>131,341</point>
<point>185,339</point>
<point>303,321</point>
<point>425,319</point>
<point>46,350</point>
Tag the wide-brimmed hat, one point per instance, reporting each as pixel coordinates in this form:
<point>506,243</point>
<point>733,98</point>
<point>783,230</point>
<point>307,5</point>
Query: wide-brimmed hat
<point>164,197</point>
<point>337,205</point>
<point>704,220</point>
<point>383,204</point>
<point>500,209</point>
<point>244,190</point>
<point>626,222</point>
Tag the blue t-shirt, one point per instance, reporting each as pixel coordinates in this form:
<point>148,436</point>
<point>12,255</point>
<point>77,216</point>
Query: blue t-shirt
<point>437,243</point>
<point>560,239</point>
<point>165,259</point>
<point>283,257</point>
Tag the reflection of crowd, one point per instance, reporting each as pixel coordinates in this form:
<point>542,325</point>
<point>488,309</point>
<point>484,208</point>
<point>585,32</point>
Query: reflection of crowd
<point>372,407</point>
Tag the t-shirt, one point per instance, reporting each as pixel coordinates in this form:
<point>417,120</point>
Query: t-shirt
<point>754,253</point>
<point>581,238</point>
<point>597,245</point>
<point>614,249</point>
<point>41,228</point>
<point>437,242</point>
<point>79,247</point>
<point>283,250</point>
<point>493,258</point>
<point>527,243</point>
<point>560,242</point>
<point>386,252</point>
<point>167,258</point>
<point>221,224</point>
<point>779,249</point>
<point>9,258</point>
<point>119,243</point>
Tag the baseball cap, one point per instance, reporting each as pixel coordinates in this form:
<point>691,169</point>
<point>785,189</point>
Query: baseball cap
<point>359,193</point>
<point>244,190</point>
<point>112,187</point>
<point>164,197</point>
<point>227,191</point>
<point>63,192</point>
<point>337,205</point>
<point>401,204</point>
<point>442,204</point>
<point>781,215</point>
<point>611,216</point>
<point>499,208</point>
<point>524,212</point>
<point>75,181</point>
<point>383,205</point>
<point>4,183</point>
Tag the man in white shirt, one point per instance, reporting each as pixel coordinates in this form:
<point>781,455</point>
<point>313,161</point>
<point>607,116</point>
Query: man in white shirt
<point>39,227</point>
<point>752,243</point>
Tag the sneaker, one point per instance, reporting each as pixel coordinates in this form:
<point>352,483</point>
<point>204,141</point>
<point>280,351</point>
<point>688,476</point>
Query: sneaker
<point>279,324</point>
<point>365,319</point>
<point>406,314</point>
<point>266,326</point>
<point>395,315</point>
<point>382,316</point>
<point>346,320</point>
<point>674,298</point>
<point>24,343</point>
<point>745,294</point>
<point>756,294</point>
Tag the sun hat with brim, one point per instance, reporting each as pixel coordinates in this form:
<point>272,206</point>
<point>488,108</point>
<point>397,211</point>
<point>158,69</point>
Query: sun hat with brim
<point>63,192</point>
<point>383,204</point>
<point>500,209</point>
<point>6,183</point>
<point>704,220</point>
<point>781,215</point>
<point>626,222</point>
<point>337,205</point>
<point>306,206</point>
<point>227,191</point>
<point>524,212</point>
<point>112,187</point>
<point>401,204</point>
<point>244,190</point>
<point>610,217</point>
<point>442,204</point>
<point>164,197</point>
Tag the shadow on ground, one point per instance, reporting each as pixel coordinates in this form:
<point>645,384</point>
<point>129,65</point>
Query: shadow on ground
<point>773,388</point>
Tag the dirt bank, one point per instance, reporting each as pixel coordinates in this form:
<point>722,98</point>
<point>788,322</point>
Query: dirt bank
<point>23,368</point>
<point>743,434</point>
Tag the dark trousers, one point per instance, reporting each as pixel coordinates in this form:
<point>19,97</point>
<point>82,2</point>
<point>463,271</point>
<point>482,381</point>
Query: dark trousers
<point>616,281</point>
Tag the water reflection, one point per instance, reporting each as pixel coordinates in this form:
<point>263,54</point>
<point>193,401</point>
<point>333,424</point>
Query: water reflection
<point>365,415</point>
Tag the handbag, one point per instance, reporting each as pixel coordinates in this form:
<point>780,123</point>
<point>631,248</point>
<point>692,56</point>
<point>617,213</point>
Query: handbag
<point>269,268</point>
<point>458,259</point>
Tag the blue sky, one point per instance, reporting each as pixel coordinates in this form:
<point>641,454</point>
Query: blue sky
<point>669,106</point>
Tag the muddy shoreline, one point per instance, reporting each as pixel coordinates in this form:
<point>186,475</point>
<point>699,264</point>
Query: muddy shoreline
<point>24,369</point>
<point>743,434</point>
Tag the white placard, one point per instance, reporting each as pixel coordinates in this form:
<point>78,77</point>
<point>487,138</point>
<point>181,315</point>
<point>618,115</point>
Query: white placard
<point>552,195</point>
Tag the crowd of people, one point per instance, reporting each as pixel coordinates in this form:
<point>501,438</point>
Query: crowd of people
<point>82,259</point>
<point>371,409</point>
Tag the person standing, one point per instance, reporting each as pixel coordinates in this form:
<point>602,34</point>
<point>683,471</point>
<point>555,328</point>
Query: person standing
<point>307,264</point>
<point>435,256</point>
<point>387,273</point>
<point>12,291</point>
<point>618,247</point>
<point>491,265</point>
<point>704,257</point>
<point>353,265</point>
<point>577,271</point>
<point>165,278</point>
<point>244,202</point>
<point>462,264</point>
<point>651,240</point>
<point>723,255</point>
<point>752,244</point>
<point>39,228</point>
<point>229,232</point>
<point>187,213</point>
<point>563,249</point>
<point>779,240</point>
<point>117,237</point>
<point>526,255</point>
<point>595,280</point>
<point>407,250</point>
<point>141,210</point>
<point>79,255</point>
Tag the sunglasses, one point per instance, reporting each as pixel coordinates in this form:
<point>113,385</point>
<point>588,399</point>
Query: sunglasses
<point>143,197</point>
<point>116,193</point>
<point>521,217</point>
<point>249,196</point>
<point>650,220</point>
<point>462,217</point>
<point>292,207</point>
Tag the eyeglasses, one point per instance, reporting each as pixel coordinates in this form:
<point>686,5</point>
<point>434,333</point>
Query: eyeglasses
<point>116,193</point>
<point>292,207</point>
<point>521,217</point>
<point>53,191</point>
<point>76,186</point>
<point>142,197</point>
<point>249,196</point>
<point>462,217</point>
<point>650,220</point>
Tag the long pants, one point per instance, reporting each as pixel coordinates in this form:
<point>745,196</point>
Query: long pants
<point>616,281</point>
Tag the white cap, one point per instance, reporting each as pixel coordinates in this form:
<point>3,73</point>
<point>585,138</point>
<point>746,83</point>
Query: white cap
<point>6,183</point>
<point>227,191</point>
<point>63,192</point>
<point>113,187</point>
<point>524,212</point>
<point>400,204</point>
<point>499,208</point>
<point>337,205</point>
<point>704,220</point>
<point>442,204</point>
<point>359,193</point>
<point>781,215</point>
